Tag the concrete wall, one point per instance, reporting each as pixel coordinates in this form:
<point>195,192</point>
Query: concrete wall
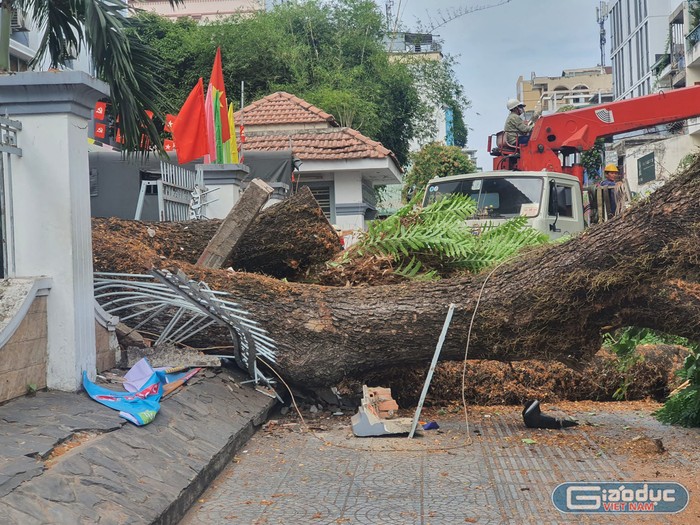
<point>118,186</point>
<point>50,199</point>
<point>667,155</point>
<point>24,337</point>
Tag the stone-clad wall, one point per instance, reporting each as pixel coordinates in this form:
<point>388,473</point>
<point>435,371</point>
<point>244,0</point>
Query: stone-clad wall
<point>23,358</point>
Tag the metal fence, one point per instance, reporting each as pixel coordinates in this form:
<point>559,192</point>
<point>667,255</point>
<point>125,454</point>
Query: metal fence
<point>8,147</point>
<point>180,194</point>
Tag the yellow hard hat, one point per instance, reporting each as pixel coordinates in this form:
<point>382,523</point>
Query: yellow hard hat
<point>612,167</point>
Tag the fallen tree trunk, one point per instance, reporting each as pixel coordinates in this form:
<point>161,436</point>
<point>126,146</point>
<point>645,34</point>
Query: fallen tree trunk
<point>287,238</point>
<point>284,240</point>
<point>641,269</point>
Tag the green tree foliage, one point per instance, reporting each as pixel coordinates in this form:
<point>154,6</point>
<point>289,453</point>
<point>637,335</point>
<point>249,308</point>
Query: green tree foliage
<point>120,57</point>
<point>593,159</point>
<point>330,53</point>
<point>694,11</point>
<point>434,160</point>
<point>683,407</point>
<point>439,87</point>
<point>436,240</point>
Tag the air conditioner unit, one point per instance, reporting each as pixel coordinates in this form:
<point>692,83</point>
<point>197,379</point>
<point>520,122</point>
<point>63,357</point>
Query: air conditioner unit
<point>18,22</point>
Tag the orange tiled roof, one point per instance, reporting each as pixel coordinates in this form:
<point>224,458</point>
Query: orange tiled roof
<point>282,108</point>
<point>320,144</point>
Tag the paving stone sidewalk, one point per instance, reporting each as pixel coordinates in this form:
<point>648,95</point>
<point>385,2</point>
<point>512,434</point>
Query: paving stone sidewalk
<point>287,475</point>
<point>112,472</point>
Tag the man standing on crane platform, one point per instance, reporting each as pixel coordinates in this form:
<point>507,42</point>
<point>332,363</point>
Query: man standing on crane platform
<point>517,130</point>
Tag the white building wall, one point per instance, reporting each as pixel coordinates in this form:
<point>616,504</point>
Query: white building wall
<point>50,195</point>
<point>667,156</point>
<point>638,32</point>
<point>349,210</point>
<point>348,188</point>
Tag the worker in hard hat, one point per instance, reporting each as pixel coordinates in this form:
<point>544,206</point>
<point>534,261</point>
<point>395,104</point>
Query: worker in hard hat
<point>517,130</point>
<point>611,174</point>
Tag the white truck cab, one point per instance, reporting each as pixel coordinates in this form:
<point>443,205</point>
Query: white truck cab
<point>552,202</point>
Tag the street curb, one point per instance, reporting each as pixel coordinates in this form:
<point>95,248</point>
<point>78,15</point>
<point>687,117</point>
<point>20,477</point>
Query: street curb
<point>177,510</point>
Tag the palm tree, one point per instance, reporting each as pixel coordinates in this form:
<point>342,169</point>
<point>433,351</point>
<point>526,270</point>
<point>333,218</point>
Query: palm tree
<point>120,58</point>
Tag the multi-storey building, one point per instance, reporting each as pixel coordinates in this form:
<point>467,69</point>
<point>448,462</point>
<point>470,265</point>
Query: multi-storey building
<point>574,87</point>
<point>203,10</point>
<point>655,46</point>
<point>414,47</point>
<point>638,31</point>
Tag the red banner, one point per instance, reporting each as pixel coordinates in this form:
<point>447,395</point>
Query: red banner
<point>100,110</point>
<point>100,130</point>
<point>169,121</point>
<point>168,145</point>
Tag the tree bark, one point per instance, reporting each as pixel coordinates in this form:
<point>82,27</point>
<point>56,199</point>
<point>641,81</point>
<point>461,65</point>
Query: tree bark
<point>639,269</point>
<point>287,238</point>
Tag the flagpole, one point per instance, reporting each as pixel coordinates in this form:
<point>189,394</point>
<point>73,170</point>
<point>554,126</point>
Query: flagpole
<point>241,142</point>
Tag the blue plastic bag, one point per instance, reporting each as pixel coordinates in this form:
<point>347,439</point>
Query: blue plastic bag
<point>138,407</point>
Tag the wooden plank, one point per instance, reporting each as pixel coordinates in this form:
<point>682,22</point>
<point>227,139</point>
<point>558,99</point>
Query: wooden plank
<point>238,220</point>
<point>608,203</point>
<point>599,202</point>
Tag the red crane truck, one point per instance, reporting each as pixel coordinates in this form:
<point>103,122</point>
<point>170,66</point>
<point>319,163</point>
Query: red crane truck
<point>543,179</point>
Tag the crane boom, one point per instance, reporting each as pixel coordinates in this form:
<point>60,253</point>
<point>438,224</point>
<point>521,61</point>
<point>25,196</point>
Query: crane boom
<point>577,130</point>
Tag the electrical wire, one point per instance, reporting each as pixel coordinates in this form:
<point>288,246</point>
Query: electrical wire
<point>469,335</point>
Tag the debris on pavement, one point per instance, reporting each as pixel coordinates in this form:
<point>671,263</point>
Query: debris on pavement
<point>144,387</point>
<point>377,414</point>
<point>534,418</point>
<point>168,355</point>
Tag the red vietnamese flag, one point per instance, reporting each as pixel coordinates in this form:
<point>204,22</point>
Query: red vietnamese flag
<point>190,128</point>
<point>100,110</point>
<point>149,113</point>
<point>168,145</point>
<point>100,130</point>
<point>118,138</point>
<point>169,121</point>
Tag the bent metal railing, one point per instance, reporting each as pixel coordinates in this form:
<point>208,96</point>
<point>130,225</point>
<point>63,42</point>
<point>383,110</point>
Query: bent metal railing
<point>176,310</point>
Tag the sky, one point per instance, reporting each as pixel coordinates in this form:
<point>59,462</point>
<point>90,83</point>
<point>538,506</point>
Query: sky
<point>495,46</point>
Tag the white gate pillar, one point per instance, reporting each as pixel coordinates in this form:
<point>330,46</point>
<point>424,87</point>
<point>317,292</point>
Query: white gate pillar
<point>51,203</point>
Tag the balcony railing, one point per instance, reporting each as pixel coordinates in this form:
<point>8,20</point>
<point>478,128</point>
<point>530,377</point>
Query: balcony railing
<point>661,64</point>
<point>693,37</point>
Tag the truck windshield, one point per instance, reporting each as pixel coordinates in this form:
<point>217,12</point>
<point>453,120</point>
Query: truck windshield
<point>495,196</point>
